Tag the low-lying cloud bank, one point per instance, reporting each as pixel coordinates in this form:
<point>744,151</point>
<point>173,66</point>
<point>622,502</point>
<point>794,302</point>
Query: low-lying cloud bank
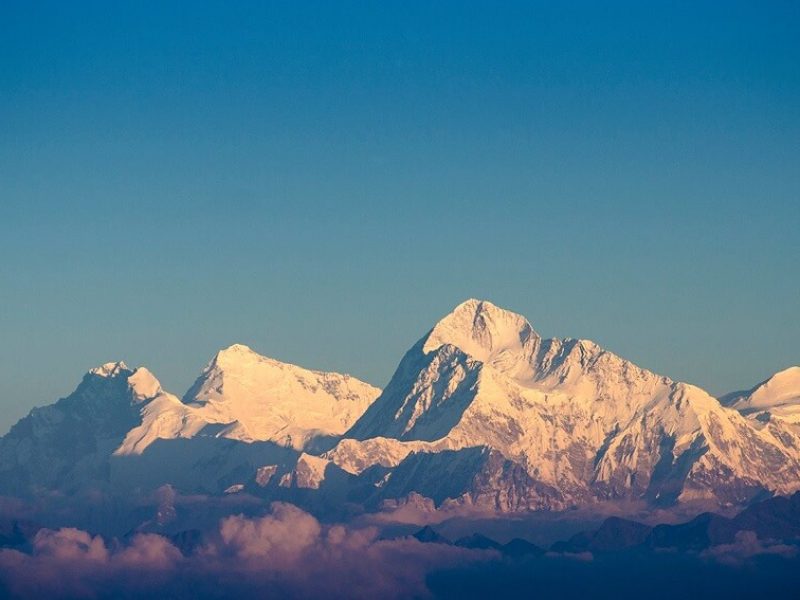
<point>286,553</point>
<point>289,553</point>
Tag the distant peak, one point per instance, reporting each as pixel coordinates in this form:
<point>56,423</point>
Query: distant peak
<point>110,369</point>
<point>782,387</point>
<point>482,330</point>
<point>790,374</point>
<point>785,380</point>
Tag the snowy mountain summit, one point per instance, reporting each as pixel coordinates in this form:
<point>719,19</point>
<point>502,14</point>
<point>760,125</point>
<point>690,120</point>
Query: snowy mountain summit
<point>562,422</point>
<point>244,396</point>
<point>259,398</point>
<point>777,397</point>
<point>482,412</point>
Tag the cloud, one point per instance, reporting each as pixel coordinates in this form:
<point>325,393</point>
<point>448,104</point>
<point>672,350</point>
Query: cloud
<point>286,552</point>
<point>289,553</point>
<point>281,537</point>
<point>747,545</point>
<point>70,544</point>
<point>150,552</point>
<point>290,549</point>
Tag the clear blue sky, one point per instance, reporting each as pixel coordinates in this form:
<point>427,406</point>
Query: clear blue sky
<point>322,181</point>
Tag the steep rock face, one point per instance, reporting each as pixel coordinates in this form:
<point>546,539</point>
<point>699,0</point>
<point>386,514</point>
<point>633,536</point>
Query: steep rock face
<point>686,446</point>
<point>67,444</point>
<point>582,423</point>
<point>444,475</point>
<point>355,456</point>
<point>255,398</point>
<point>476,478</point>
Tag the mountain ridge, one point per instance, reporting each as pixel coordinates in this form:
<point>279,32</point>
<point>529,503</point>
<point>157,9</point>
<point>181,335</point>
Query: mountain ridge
<point>577,418</point>
<point>482,413</point>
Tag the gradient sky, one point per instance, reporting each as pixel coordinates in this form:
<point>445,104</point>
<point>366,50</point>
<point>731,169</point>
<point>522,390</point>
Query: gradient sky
<point>323,181</point>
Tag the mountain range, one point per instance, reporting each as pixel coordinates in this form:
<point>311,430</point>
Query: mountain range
<point>481,414</point>
<point>775,521</point>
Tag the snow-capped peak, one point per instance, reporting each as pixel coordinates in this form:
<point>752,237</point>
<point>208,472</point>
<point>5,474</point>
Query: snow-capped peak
<point>780,389</point>
<point>486,333</point>
<point>110,369</point>
<point>481,410</point>
<point>260,398</point>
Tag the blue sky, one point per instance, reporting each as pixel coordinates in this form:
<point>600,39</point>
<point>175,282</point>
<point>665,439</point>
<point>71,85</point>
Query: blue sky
<point>323,181</point>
